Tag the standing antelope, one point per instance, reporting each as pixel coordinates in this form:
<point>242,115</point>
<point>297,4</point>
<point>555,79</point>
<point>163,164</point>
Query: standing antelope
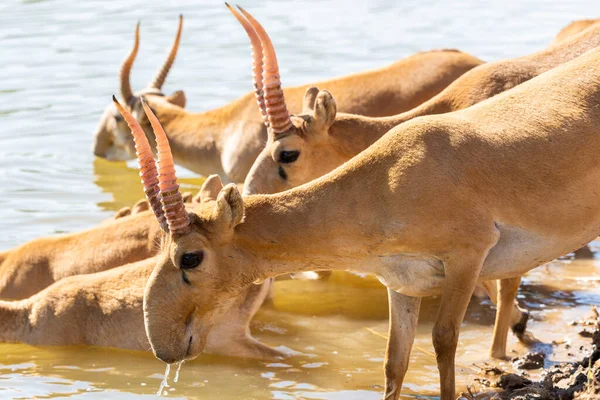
<point>324,143</point>
<point>323,139</point>
<point>436,205</point>
<point>228,139</point>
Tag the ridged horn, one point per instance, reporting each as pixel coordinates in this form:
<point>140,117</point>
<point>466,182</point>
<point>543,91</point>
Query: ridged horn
<point>257,61</point>
<point>126,92</point>
<point>160,77</point>
<point>148,170</point>
<point>172,201</point>
<point>277,112</point>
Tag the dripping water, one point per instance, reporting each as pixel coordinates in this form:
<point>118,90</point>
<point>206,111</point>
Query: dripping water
<point>165,381</point>
<point>177,372</point>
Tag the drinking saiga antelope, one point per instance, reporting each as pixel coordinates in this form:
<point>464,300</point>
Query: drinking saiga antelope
<point>321,139</point>
<point>435,206</point>
<point>325,143</point>
<point>228,139</point>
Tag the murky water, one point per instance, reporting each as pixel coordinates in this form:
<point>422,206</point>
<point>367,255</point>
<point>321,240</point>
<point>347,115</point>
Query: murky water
<point>59,65</point>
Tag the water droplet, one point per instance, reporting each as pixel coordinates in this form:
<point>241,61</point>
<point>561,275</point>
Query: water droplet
<point>177,372</point>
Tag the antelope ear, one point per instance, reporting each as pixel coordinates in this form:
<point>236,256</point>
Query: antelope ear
<point>308,103</point>
<point>123,212</point>
<point>187,197</point>
<point>229,209</point>
<point>177,98</point>
<point>210,189</point>
<point>325,109</point>
<point>141,206</point>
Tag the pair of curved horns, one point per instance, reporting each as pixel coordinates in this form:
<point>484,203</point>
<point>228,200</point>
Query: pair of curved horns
<point>161,75</point>
<point>267,81</point>
<point>160,183</point>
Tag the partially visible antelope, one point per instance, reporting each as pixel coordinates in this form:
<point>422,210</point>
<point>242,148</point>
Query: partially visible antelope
<point>111,139</point>
<point>31,267</point>
<point>435,206</point>
<point>573,29</point>
<point>323,138</point>
<point>105,309</point>
<point>228,139</point>
<point>319,144</point>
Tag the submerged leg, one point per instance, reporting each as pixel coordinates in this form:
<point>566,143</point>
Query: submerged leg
<point>231,336</point>
<point>404,312</point>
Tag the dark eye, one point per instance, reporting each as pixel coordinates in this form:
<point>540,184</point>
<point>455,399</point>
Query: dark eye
<point>288,156</point>
<point>191,260</point>
<point>119,118</point>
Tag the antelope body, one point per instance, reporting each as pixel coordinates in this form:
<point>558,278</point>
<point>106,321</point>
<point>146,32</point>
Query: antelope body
<point>29,268</point>
<point>228,139</point>
<point>319,144</point>
<point>435,206</point>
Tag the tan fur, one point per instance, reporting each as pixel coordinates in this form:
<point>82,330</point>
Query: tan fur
<point>436,205</point>
<point>573,29</point>
<point>29,268</point>
<point>228,139</point>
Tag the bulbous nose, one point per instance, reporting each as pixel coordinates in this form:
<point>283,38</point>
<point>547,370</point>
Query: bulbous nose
<point>166,357</point>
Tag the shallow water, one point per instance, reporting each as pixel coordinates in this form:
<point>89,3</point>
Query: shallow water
<point>59,65</point>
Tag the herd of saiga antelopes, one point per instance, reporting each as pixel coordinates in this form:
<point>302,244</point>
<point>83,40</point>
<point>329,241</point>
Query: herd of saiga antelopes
<point>499,174</point>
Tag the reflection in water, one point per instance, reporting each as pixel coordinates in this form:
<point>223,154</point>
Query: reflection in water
<point>123,183</point>
<point>59,69</point>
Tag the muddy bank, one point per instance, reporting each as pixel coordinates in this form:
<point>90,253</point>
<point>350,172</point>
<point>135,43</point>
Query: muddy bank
<point>574,380</point>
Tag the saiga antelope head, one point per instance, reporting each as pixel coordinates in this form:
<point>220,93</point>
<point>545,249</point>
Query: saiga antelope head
<point>193,282</point>
<point>299,148</point>
<point>113,139</point>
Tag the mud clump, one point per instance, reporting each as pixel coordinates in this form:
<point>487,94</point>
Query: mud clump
<point>566,381</point>
<point>530,361</point>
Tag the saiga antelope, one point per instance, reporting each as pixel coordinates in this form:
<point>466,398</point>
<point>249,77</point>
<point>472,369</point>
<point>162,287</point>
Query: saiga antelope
<point>323,139</point>
<point>435,206</point>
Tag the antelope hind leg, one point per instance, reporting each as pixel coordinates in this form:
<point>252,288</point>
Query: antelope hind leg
<point>518,315</point>
<point>404,313</point>
<point>507,291</point>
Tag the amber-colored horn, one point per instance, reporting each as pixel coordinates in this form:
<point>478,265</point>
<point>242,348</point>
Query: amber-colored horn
<point>277,112</point>
<point>159,80</point>
<point>172,201</point>
<point>257,61</point>
<point>148,170</point>
<point>126,92</point>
